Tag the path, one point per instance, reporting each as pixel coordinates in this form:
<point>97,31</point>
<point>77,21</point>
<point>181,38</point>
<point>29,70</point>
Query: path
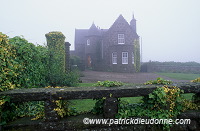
<point>94,76</point>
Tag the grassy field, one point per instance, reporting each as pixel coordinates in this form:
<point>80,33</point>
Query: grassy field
<point>180,76</point>
<point>87,104</point>
<point>86,84</point>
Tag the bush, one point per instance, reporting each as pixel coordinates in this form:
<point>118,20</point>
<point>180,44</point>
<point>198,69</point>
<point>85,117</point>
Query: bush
<point>158,81</point>
<point>196,80</point>
<point>163,103</point>
<point>9,67</point>
<point>24,65</point>
<point>33,60</point>
<point>108,83</point>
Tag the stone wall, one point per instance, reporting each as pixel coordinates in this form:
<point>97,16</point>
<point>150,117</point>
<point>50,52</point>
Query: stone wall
<point>52,122</point>
<point>148,67</point>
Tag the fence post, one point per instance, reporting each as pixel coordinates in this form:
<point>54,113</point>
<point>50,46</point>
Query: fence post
<point>110,107</point>
<point>51,116</point>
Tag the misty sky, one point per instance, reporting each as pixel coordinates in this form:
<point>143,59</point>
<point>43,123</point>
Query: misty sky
<point>170,29</point>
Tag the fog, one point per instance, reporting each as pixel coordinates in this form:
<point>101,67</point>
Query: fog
<point>170,29</point>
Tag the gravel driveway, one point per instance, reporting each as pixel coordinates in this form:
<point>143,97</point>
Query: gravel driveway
<point>94,76</point>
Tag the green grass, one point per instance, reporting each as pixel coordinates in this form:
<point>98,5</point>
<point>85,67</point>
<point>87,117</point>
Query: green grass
<point>83,105</point>
<point>86,84</point>
<point>180,76</point>
<point>132,99</point>
<point>188,96</point>
<point>87,104</point>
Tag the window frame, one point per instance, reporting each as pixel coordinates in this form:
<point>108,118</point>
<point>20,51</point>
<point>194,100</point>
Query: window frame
<point>133,59</point>
<point>114,58</point>
<point>121,39</point>
<point>124,59</point>
<point>88,42</point>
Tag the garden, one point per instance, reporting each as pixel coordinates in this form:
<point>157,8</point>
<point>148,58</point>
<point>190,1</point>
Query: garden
<point>24,65</point>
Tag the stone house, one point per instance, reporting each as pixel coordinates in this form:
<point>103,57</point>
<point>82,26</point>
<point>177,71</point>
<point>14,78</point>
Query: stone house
<point>107,49</point>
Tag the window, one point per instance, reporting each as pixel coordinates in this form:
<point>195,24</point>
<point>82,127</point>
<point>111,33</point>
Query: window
<point>88,41</point>
<point>121,39</point>
<point>124,57</point>
<point>132,58</point>
<point>114,57</point>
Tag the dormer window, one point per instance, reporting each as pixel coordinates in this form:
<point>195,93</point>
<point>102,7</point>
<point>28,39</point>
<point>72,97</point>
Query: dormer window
<point>88,41</point>
<point>121,39</point>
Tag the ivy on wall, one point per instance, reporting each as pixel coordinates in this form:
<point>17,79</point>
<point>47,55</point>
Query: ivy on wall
<point>56,47</point>
<point>137,55</point>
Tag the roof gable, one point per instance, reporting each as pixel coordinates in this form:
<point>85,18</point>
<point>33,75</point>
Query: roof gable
<point>120,21</point>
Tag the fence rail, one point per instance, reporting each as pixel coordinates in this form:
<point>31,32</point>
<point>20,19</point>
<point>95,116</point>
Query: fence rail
<point>110,107</point>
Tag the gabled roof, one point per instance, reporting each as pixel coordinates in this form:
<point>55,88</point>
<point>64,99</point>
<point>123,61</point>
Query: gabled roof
<point>81,34</point>
<point>120,19</point>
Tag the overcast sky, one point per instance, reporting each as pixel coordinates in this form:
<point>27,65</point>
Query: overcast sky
<point>170,29</point>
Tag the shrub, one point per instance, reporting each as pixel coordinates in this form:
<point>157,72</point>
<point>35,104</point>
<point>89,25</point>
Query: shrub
<point>33,60</point>
<point>163,103</point>
<point>98,108</point>
<point>108,83</point>
<point>9,67</point>
<point>158,81</point>
<point>196,80</point>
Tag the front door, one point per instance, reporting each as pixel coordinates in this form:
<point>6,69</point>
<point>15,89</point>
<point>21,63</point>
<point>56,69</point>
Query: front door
<point>89,61</point>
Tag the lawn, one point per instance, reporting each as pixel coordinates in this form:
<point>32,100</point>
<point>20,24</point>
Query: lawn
<point>87,104</point>
<point>86,84</point>
<point>180,76</point>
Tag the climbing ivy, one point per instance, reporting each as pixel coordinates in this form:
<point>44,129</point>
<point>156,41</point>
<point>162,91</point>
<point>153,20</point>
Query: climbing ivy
<point>136,55</point>
<point>56,47</point>
<point>9,67</point>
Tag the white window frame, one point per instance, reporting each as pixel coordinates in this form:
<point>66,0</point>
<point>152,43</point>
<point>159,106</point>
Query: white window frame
<point>125,58</point>
<point>121,39</point>
<point>132,58</point>
<point>114,58</point>
<point>88,41</point>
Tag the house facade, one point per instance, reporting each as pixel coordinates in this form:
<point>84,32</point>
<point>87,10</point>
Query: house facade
<point>107,49</point>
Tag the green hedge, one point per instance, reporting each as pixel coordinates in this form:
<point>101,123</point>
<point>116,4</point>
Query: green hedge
<point>9,68</point>
<point>33,60</point>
